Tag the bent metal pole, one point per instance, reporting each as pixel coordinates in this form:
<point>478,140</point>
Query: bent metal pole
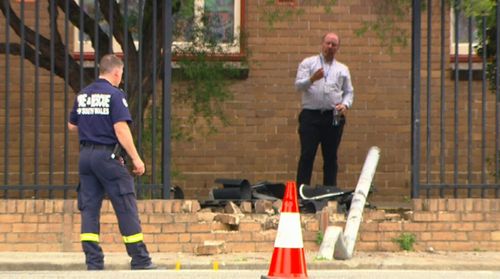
<point>343,243</point>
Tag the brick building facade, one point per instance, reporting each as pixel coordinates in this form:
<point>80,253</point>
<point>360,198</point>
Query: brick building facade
<point>261,142</point>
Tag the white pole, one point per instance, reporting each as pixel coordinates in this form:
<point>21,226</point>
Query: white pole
<point>344,243</point>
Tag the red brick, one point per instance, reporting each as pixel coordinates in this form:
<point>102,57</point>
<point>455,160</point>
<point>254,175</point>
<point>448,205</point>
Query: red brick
<point>185,218</point>
<point>160,218</point>
<point>170,247</point>
<point>493,216</point>
<point>49,228</point>
<point>367,246</point>
<point>200,237</point>
<point>461,236</point>
<point>460,205</point>
<point>157,205</point>
<point>390,226</point>
<point>108,218</point>
<point>174,228</point>
<point>39,206</point>
<point>417,204</point>
<point>11,206</point>
<point>10,218</point>
<point>203,227</point>
<point>425,236</point>
<point>264,247</point>
<point>24,227</point>
<point>374,215</point>
<point>485,226</point>
<point>249,227</point>
<point>479,236</point>
<point>162,238</point>
<point>152,228</point>
<point>424,216</point>
<point>370,237</point>
<point>414,227</point>
<point>55,218</point>
<point>439,226</point>
<point>265,236</point>
<point>448,217</point>
<point>21,206</point>
<point>312,225</point>
<point>461,246</point>
<point>241,247</point>
<point>48,247</point>
<point>478,205</point>
<point>185,237</point>
<point>49,206</point>
<point>369,227</point>
<point>388,246</point>
<point>469,205</point>
<point>59,206</point>
<point>443,236</point>
<point>22,247</point>
<point>472,216</point>
<point>148,208</point>
<point>442,205</point>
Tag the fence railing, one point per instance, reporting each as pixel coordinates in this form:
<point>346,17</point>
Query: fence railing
<point>455,96</point>
<point>49,50</point>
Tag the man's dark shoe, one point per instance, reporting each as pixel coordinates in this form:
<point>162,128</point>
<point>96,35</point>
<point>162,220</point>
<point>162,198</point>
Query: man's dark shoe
<point>149,266</point>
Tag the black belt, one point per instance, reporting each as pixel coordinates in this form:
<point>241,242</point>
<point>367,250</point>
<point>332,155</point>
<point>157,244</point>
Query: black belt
<point>92,145</point>
<point>320,111</point>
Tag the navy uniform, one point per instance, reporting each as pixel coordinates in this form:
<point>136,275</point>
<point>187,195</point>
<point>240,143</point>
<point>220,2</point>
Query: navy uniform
<point>96,109</point>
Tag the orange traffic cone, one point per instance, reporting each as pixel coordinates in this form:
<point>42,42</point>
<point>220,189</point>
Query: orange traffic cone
<point>288,257</point>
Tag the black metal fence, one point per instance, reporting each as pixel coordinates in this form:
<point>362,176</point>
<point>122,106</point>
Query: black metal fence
<point>48,51</point>
<point>455,96</point>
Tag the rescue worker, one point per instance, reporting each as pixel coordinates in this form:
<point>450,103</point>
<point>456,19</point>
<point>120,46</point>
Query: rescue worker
<point>100,115</point>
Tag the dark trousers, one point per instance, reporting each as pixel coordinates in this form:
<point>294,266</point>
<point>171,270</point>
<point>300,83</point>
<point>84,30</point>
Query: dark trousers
<point>100,175</point>
<point>316,127</point>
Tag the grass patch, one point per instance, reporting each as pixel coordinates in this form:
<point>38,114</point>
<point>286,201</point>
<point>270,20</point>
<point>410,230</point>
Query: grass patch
<point>405,241</point>
<point>319,237</point>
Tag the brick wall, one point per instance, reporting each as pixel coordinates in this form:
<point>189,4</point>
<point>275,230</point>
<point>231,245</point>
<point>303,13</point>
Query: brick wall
<point>261,142</point>
<point>180,226</point>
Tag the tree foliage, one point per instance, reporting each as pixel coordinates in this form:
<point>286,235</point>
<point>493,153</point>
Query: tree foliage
<point>138,25</point>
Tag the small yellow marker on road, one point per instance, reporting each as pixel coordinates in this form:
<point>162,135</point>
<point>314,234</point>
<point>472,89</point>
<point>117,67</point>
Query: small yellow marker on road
<point>216,265</point>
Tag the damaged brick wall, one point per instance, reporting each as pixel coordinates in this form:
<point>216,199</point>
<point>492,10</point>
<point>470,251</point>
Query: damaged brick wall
<point>183,226</point>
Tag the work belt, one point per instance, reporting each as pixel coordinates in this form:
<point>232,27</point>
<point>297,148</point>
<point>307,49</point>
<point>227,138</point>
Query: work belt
<point>95,146</point>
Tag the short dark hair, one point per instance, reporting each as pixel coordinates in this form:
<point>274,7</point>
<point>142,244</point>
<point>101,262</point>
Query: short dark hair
<point>109,62</point>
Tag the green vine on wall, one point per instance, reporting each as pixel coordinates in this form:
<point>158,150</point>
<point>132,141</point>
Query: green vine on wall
<point>274,12</point>
<point>386,25</point>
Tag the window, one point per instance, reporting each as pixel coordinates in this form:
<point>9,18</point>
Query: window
<point>219,20</point>
<point>89,8</point>
<point>216,21</point>
<point>462,57</point>
<point>463,34</point>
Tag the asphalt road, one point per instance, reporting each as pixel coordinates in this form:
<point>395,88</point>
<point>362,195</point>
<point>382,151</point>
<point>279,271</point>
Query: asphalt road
<point>251,274</point>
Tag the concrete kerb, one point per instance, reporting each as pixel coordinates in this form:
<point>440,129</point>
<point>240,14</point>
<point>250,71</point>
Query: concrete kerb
<point>13,261</point>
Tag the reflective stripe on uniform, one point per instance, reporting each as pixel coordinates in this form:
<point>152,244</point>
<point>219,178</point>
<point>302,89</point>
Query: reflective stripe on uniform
<point>133,238</point>
<point>89,237</point>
